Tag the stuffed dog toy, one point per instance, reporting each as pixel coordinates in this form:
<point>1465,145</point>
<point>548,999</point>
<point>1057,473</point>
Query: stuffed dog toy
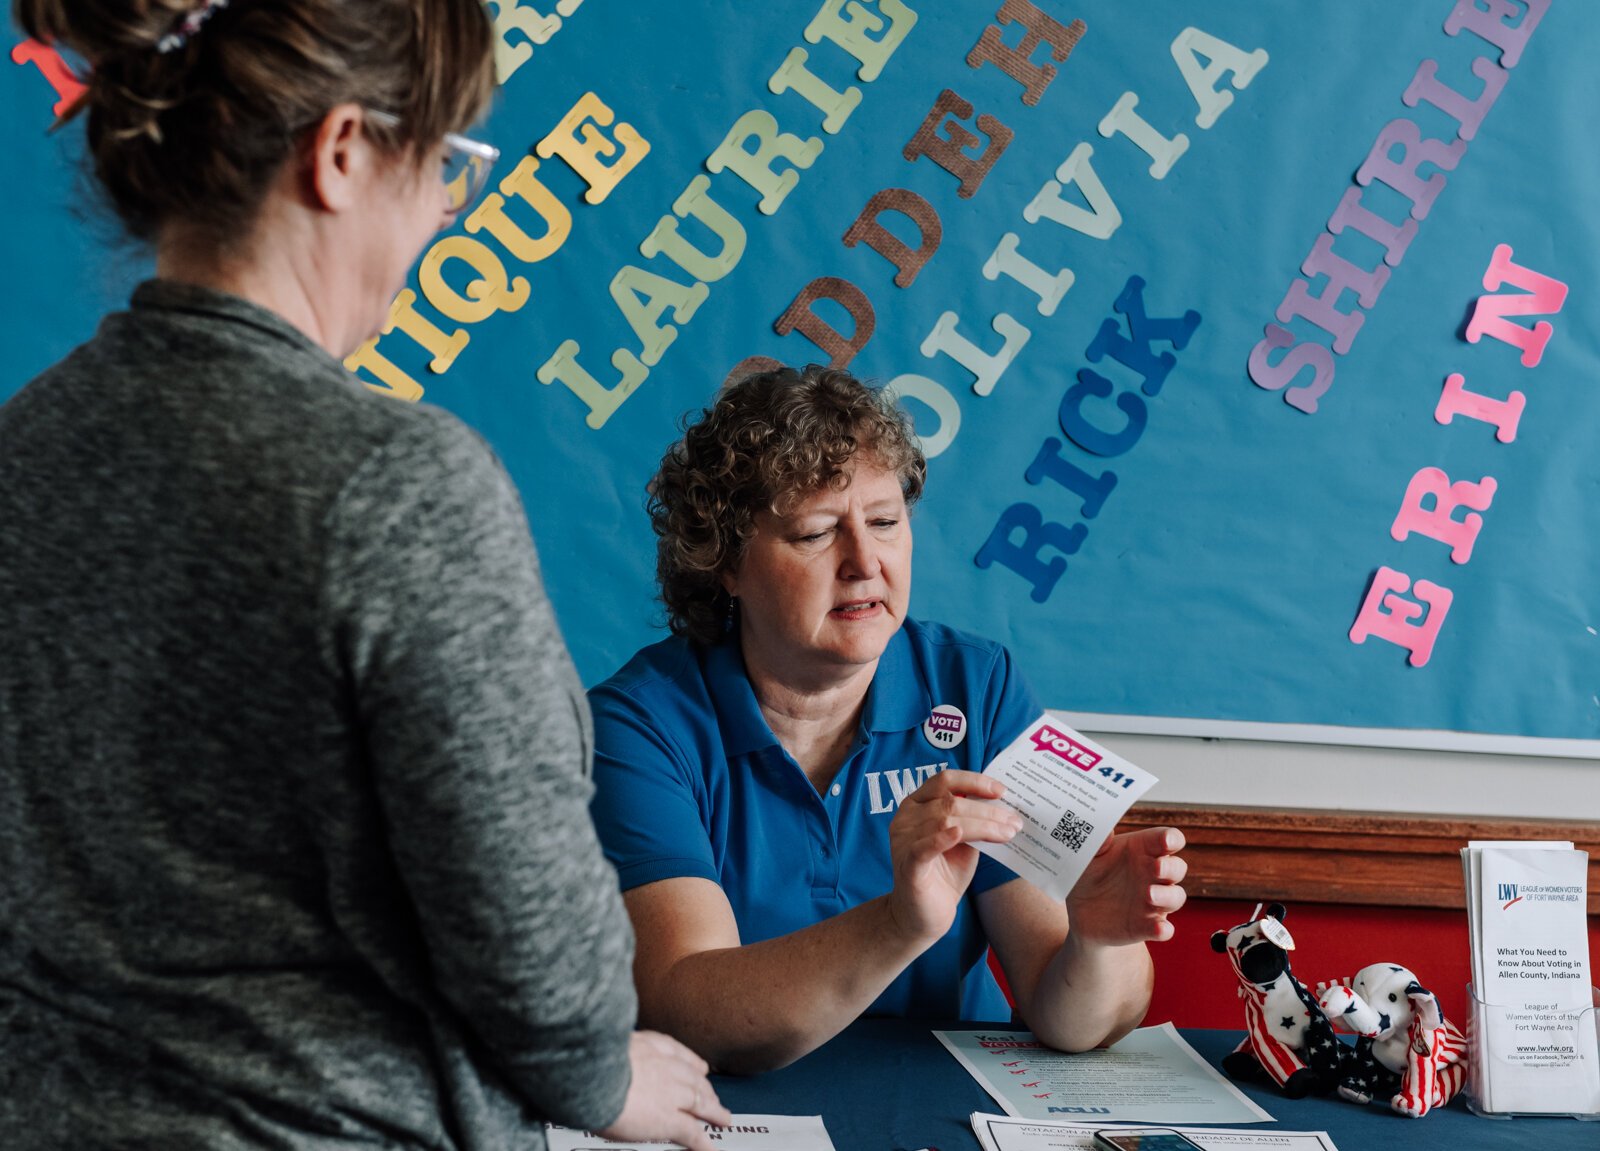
<point>1288,1038</point>
<point>1405,1049</point>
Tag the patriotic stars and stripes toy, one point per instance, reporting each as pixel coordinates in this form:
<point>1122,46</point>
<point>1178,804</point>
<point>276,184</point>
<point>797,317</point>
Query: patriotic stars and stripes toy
<point>1288,1038</point>
<point>1405,1048</point>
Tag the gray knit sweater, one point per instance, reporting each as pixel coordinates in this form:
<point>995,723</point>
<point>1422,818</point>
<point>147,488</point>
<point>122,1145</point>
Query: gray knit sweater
<point>294,838</point>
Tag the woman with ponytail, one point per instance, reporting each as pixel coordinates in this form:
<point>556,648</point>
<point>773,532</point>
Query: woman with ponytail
<point>294,766</point>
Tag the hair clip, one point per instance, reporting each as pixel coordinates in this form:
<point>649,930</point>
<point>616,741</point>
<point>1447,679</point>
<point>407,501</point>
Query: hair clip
<point>187,25</point>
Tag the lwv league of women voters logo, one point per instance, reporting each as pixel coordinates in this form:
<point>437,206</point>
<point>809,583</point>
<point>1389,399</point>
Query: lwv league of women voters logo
<point>1511,893</point>
<point>946,726</point>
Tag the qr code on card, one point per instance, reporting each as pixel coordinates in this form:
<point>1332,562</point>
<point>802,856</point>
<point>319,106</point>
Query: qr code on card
<point>1072,830</point>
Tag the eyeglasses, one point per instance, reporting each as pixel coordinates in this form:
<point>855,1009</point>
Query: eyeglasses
<point>467,163</point>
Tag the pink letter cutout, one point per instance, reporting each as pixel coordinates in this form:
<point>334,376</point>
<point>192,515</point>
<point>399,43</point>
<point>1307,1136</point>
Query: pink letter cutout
<point>1504,414</point>
<point>1437,522</point>
<point>1386,615</point>
<point>1489,314</point>
<point>53,68</point>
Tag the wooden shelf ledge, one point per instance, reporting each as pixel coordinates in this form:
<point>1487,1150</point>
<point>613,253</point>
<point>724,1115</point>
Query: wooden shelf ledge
<point>1304,855</point>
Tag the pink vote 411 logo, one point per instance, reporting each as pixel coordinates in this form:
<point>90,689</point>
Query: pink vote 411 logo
<point>1047,738</point>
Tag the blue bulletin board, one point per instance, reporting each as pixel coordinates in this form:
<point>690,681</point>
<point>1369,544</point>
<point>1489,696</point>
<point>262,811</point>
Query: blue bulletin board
<point>1236,333</point>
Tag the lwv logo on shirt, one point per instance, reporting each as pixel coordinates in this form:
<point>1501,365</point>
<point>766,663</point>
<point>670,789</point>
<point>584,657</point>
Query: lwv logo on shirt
<point>900,784</point>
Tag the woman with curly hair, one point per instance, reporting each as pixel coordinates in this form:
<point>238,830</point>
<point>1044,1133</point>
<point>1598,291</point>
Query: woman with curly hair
<point>294,766</point>
<point>795,849</point>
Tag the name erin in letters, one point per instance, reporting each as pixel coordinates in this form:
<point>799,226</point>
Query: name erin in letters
<point>1431,499</point>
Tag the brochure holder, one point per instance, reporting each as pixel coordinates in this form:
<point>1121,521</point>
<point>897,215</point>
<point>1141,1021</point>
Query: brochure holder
<point>1482,1016</point>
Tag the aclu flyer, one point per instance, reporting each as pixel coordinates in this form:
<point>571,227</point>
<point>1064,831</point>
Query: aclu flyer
<point>1071,792</point>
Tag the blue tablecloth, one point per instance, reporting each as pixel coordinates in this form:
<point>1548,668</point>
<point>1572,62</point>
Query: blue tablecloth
<point>889,1085</point>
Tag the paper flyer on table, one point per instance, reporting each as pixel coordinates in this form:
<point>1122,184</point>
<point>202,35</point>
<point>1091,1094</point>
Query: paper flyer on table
<point>1071,792</point>
<point>1535,1027</point>
<point>745,1133</point>
<point>1004,1133</point>
<point>1148,1076</point>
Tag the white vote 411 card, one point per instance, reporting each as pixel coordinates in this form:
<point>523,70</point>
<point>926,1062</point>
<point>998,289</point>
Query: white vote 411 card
<point>1071,793</point>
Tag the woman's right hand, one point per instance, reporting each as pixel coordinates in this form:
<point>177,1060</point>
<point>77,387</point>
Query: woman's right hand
<point>930,843</point>
<point>670,1099</point>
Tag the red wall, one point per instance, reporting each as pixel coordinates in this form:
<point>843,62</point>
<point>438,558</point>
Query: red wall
<point>1195,987</point>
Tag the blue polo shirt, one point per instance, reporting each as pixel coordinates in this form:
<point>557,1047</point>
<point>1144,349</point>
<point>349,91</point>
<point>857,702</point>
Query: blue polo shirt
<point>690,781</point>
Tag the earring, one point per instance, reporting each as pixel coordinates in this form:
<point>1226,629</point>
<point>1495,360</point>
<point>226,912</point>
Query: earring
<point>733,614</point>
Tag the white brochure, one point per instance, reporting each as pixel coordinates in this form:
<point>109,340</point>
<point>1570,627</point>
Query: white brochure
<point>1071,792</point>
<point>1004,1133</point>
<point>1471,866</point>
<point>745,1133</point>
<point>1535,1016</point>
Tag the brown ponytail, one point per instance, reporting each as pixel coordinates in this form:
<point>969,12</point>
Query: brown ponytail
<point>198,134</point>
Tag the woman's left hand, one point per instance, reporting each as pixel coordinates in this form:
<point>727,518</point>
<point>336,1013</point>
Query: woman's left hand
<point>1131,886</point>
